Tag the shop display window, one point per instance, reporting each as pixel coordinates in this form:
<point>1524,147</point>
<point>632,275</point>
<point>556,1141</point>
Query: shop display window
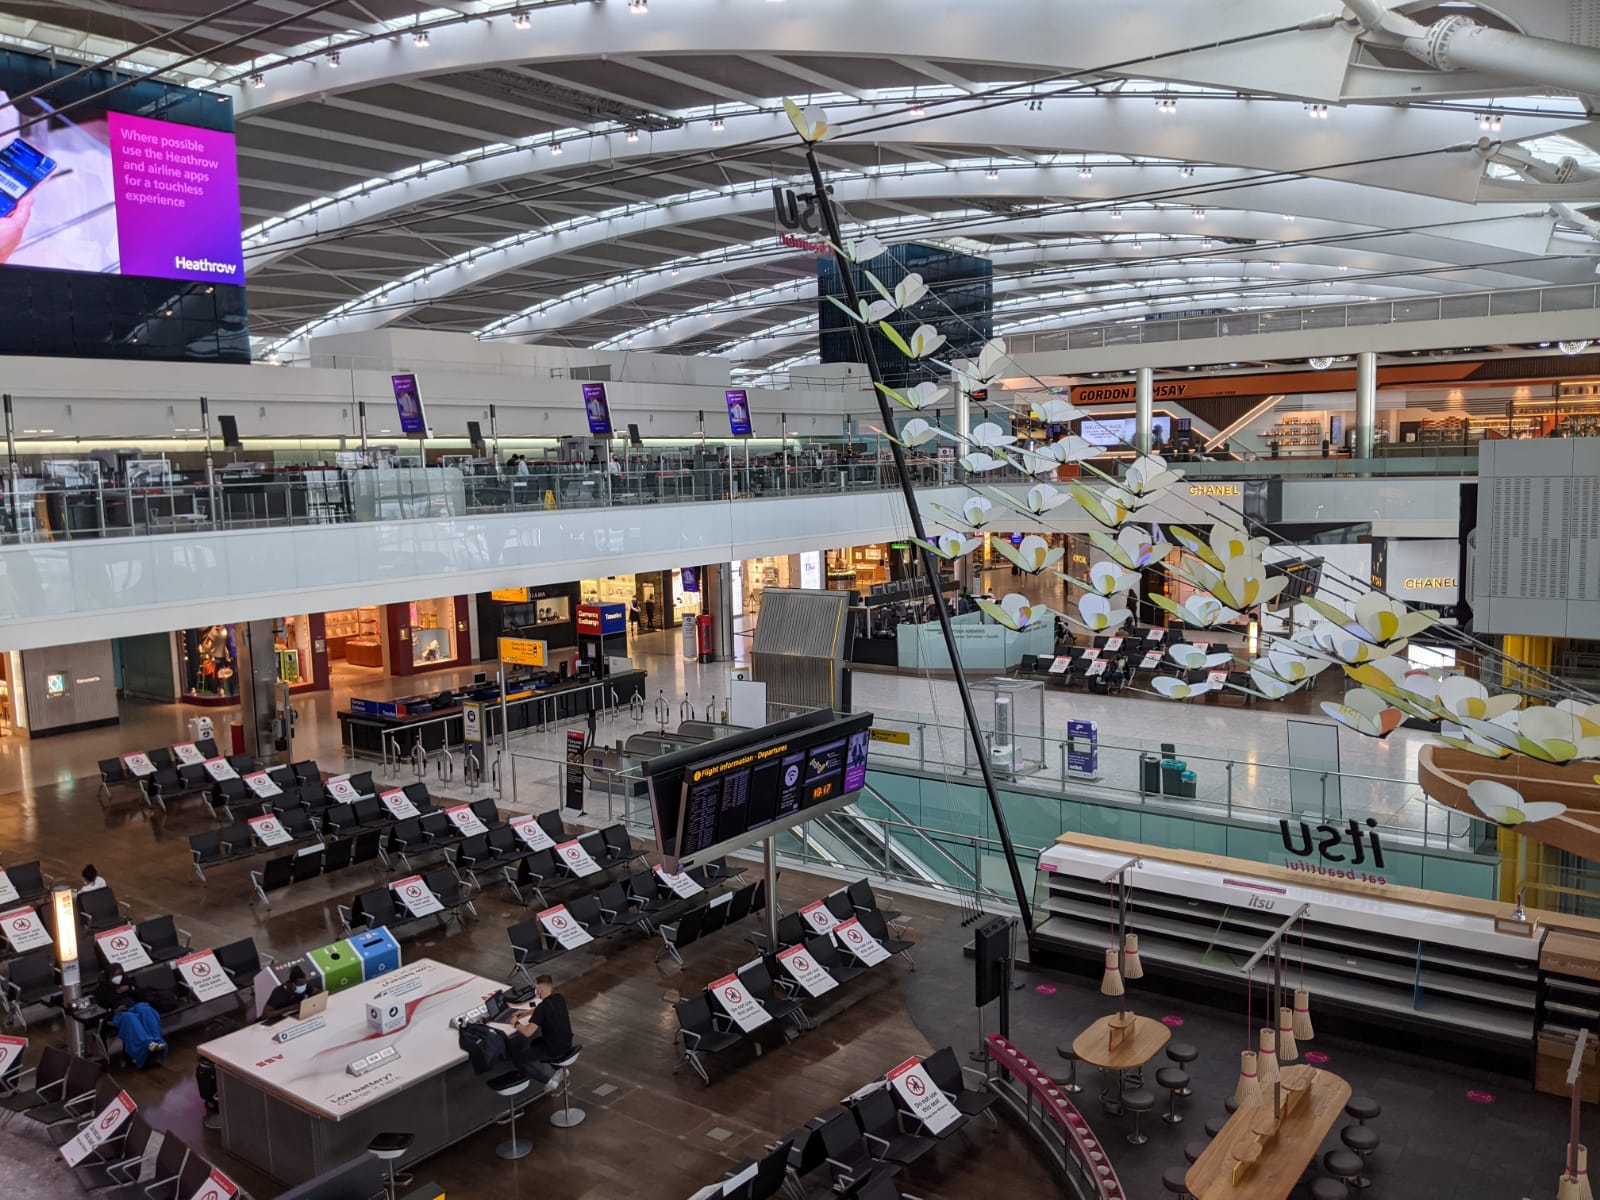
<point>210,662</point>
<point>618,589</point>
<point>296,665</point>
<point>433,625</point>
<point>551,610</point>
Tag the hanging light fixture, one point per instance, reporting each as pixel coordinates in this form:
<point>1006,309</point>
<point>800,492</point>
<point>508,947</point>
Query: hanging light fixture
<point>521,20</point>
<point>1303,1032</point>
<point>1288,1051</point>
<point>633,135</point>
<point>1249,1090</point>
<point>1111,981</point>
<point>1132,967</point>
<point>420,39</point>
<point>1267,1061</point>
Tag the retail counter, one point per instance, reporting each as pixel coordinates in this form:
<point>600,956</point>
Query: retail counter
<point>443,727</point>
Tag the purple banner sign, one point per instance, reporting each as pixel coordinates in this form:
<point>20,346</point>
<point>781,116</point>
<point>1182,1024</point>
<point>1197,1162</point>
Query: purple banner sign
<point>597,410</point>
<point>408,400</point>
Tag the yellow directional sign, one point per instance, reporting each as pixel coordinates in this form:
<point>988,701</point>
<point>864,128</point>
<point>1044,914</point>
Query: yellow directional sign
<point>524,652</point>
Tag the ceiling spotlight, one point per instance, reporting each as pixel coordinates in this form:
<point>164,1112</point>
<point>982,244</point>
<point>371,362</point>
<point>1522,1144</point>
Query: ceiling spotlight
<point>1136,245</point>
<point>633,135</point>
<point>1116,214</point>
<point>638,6</point>
<point>1489,122</point>
<point>1276,267</point>
<point>520,20</point>
<point>420,39</point>
<point>257,82</point>
<point>1317,112</point>
<point>716,125</point>
<point>1288,216</point>
<point>991,173</point>
<point>1085,172</point>
<point>1199,214</point>
<point>1186,172</point>
<point>555,148</point>
<point>916,110</point>
<point>333,58</point>
<point>1167,104</point>
<point>1206,245</point>
<point>1343,267</point>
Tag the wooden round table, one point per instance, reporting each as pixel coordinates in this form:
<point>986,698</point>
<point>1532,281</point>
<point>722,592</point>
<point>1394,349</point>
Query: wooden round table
<point>1142,1039</point>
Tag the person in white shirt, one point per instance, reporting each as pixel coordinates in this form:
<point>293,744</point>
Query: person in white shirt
<point>92,880</point>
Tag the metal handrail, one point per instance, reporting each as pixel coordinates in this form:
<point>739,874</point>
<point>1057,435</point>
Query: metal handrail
<point>1366,314</point>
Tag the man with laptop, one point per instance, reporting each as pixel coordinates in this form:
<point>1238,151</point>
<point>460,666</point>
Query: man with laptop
<point>539,1033</point>
<point>294,998</point>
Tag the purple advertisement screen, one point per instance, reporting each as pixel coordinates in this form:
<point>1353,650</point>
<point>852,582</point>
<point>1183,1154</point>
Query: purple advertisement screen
<point>739,412</point>
<point>177,200</point>
<point>597,410</point>
<point>408,400</point>
<point>855,761</point>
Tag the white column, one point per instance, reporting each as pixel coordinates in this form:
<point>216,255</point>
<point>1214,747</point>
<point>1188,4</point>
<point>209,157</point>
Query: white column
<point>1143,409</point>
<point>1366,401</point>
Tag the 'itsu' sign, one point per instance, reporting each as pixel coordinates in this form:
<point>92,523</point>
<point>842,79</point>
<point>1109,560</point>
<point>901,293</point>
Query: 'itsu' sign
<point>919,1093</point>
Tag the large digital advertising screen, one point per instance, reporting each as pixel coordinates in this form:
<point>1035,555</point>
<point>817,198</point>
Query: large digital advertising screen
<point>597,409</point>
<point>739,412</point>
<point>132,185</point>
<point>408,403</point>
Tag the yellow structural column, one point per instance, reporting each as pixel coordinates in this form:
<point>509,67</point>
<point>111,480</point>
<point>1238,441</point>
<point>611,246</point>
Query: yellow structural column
<point>1522,652</point>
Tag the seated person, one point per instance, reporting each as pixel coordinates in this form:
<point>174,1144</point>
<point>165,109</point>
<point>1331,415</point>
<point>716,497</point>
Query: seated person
<point>540,1034</point>
<point>285,998</point>
<point>137,1024</point>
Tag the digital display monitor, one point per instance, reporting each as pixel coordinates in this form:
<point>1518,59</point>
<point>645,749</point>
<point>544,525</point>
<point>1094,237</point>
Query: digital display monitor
<point>739,412</point>
<point>86,189</point>
<point>770,786</point>
<point>1119,431</point>
<point>119,216</point>
<point>596,409</point>
<point>408,402</point>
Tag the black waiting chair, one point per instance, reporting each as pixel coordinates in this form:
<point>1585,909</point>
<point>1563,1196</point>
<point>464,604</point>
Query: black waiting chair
<point>339,819</point>
<point>872,921</point>
<point>680,933</point>
<point>486,812</point>
<point>945,1071</point>
<point>206,850</point>
<point>29,980</point>
<point>882,1125</point>
<point>337,855</point>
<point>32,1087</point>
<point>619,909</point>
<point>550,822</point>
<point>531,948</point>
<point>366,846</point>
<point>161,758</point>
<point>619,845</point>
<point>531,874</point>
<point>848,1155</point>
<point>226,793</point>
<point>442,882</point>
<point>117,1161</point>
<point>758,982</point>
<point>701,1032</point>
<point>68,1103</point>
<point>585,910</point>
<point>30,882</point>
<point>306,771</point>
<point>113,774</point>
<point>826,955</point>
<point>162,939</point>
<point>863,900</point>
<point>307,863</point>
<point>240,960</point>
<point>99,909</point>
<point>274,874</point>
<point>403,839</point>
<point>370,910</point>
<point>370,813</point>
<point>171,1158</point>
<point>417,793</point>
<point>296,823</point>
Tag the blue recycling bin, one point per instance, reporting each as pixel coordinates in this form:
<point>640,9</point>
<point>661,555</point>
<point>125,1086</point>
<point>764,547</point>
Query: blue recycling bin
<point>379,951</point>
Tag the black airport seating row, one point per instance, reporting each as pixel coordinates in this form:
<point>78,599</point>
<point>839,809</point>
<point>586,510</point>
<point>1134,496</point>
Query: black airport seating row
<point>541,871</point>
<point>377,908</point>
<point>857,900</point>
<point>62,1094</point>
<point>706,1028</point>
<point>639,902</point>
<point>312,861</point>
<point>34,979</point>
<point>701,921</point>
<point>114,772</point>
<point>857,1149</point>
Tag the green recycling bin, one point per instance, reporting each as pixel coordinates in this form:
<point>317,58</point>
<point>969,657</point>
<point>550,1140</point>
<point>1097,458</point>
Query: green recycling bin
<point>339,964</point>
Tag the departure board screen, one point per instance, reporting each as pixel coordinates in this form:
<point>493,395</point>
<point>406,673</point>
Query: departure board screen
<point>772,783</point>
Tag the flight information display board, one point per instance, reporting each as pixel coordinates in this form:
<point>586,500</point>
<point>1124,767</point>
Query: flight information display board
<point>755,788</point>
<point>726,799</point>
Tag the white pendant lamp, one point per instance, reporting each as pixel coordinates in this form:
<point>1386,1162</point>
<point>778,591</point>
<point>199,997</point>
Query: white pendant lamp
<point>1303,1031</point>
<point>1111,982</point>
<point>1249,1090</point>
<point>1132,968</point>
<point>1267,1061</point>
<point>1287,1050</point>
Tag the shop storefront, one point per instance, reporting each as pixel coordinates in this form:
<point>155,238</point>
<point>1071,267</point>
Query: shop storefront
<point>427,635</point>
<point>355,636</point>
<point>207,659</point>
<point>542,614</point>
<point>58,689</point>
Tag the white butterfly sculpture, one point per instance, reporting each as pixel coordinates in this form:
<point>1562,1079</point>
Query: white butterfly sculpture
<point>1014,611</point>
<point>1505,806</point>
